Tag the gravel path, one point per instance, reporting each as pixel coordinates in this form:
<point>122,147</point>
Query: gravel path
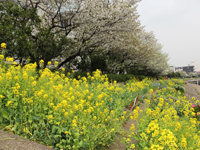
<point>118,145</point>
<point>192,90</point>
<point>9,141</point>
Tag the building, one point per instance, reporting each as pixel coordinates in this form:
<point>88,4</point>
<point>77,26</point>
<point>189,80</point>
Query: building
<point>187,69</point>
<point>196,66</point>
<point>192,67</point>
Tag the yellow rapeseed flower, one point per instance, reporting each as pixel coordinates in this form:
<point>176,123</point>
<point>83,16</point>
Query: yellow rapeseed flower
<point>42,61</point>
<point>1,96</point>
<point>112,130</point>
<point>45,96</point>
<point>8,103</point>
<point>193,98</point>
<point>1,56</point>
<point>9,59</point>
<point>49,63</point>
<point>56,63</point>
<point>66,132</point>
<point>132,146</point>
<point>132,128</point>
<point>14,63</point>
<point>50,117</point>
<point>128,140</point>
<point>3,45</point>
<point>151,91</point>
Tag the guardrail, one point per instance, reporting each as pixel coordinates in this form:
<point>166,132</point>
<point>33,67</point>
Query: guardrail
<point>194,81</point>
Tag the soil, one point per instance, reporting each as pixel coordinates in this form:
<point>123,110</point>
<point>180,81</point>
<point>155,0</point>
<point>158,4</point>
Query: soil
<point>192,90</point>
<point>10,141</point>
<point>118,145</point>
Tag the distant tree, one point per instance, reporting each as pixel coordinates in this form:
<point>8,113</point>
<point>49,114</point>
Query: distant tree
<point>142,54</point>
<point>174,74</point>
<point>198,74</point>
<point>192,74</point>
<point>182,73</point>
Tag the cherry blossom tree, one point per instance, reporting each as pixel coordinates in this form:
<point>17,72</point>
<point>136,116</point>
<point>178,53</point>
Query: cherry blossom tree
<point>81,27</point>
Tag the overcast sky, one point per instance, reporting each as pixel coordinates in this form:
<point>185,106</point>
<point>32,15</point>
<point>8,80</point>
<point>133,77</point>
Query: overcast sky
<point>176,25</point>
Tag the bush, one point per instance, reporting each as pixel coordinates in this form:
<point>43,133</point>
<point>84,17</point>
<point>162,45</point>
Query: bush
<point>125,77</point>
<point>120,77</point>
<point>113,77</point>
<point>179,88</point>
<point>80,74</point>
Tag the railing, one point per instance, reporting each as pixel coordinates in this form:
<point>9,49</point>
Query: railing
<point>194,81</point>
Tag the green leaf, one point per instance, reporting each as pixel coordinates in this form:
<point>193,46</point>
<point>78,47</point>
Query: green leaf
<point>5,115</point>
<point>80,144</point>
<point>18,120</point>
<point>135,137</point>
<point>139,130</point>
<point>15,104</point>
<point>50,112</point>
<point>75,140</point>
<point>35,118</point>
<point>30,120</point>
<point>54,128</point>
<point>45,108</point>
<point>34,126</point>
<point>57,136</point>
<point>77,134</point>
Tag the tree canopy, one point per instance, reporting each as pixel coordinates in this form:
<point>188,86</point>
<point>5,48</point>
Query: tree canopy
<point>71,29</point>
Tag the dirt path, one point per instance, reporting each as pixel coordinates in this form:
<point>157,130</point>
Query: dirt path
<point>192,90</point>
<point>118,145</point>
<point>10,141</point>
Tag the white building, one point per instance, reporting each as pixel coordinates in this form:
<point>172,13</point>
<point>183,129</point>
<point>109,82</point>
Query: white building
<point>196,66</point>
